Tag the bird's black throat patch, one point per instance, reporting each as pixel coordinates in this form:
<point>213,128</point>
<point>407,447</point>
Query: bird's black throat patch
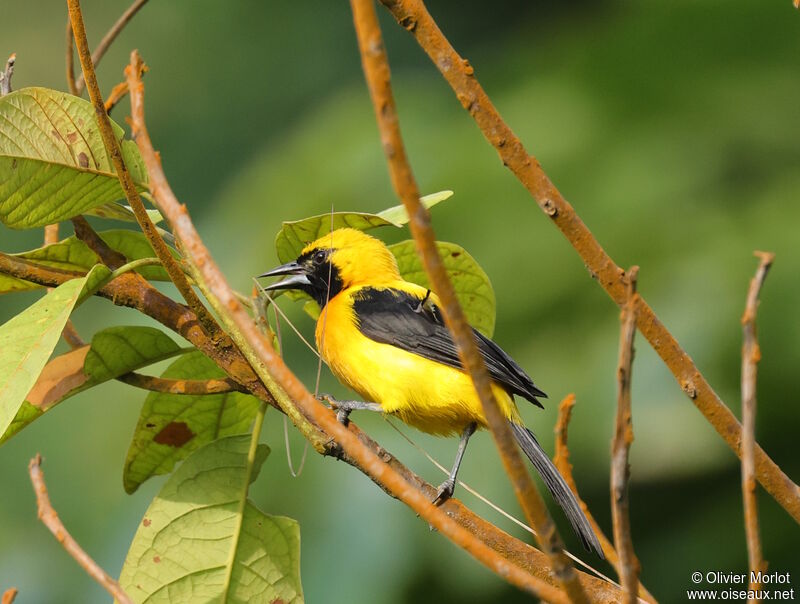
<point>320,274</point>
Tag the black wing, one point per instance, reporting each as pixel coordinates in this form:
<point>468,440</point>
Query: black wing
<point>399,318</point>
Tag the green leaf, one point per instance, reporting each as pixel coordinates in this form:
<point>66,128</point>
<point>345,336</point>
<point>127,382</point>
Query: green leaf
<point>118,211</point>
<point>28,340</point>
<point>53,164</point>
<point>398,215</point>
<point>171,426</point>
<point>72,254</point>
<point>198,543</point>
<point>113,352</point>
<point>473,288</point>
<point>295,235</point>
<point>121,349</point>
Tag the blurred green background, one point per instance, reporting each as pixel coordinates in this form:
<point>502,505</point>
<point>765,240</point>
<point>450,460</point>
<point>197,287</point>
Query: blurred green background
<point>674,130</point>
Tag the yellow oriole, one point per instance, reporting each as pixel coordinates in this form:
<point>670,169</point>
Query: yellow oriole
<point>385,338</point>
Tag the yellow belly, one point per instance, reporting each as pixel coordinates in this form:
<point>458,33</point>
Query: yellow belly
<point>430,396</point>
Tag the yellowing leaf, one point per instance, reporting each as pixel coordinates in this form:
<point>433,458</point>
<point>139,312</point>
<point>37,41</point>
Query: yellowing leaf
<point>28,340</point>
<point>113,352</point>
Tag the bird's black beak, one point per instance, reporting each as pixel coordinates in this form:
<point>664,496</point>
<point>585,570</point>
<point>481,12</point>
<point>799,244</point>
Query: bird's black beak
<point>297,278</point>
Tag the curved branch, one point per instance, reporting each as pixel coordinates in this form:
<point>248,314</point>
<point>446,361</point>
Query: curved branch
<point>376,73</point>
<point>751,355</point>
<point>107,41</point>
<point>413,16</point>
<point>176,386</point>
<point>133,291</point>
<point>51,520</point>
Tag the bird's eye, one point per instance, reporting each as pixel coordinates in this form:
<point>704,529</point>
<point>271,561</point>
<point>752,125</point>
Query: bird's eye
<point>319,257</point>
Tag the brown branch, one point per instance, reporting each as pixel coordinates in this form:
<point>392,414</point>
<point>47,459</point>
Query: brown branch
<point>70,62</point>
<point>5,75</point>
<point>125,291</point>
<point>620,447</point>
<point>176,386</point>
<point>377,75</point>
<point>108,40</point>
<point>9,595</point>
<point>312,418</point>
<point>751,355</point>
<point>51,520</point>
<point>108,256</point>
<point>561,461</point>
<point>413,16</point>
<point>126,181</point>
<point>133,291</point>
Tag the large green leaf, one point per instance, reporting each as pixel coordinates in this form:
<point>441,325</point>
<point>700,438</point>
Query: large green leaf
<point>74,255</point>
<point>200,542</point>
<point>295,235</point>
<point>171,426</point>
<point>53,164</point>
<point>112,353</point>
<point>473,288</point>
<point>27,341</point>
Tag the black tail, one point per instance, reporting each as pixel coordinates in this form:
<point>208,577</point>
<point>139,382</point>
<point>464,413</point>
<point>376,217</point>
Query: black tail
<point>558,488</point>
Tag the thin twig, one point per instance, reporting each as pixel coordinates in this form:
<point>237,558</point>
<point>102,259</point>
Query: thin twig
<point>108,39</point>
<point>414,17</point>
<point>117,93</point>
<point>304,410</point>
<point>126,181</point>
<point>561,461</point>
<point>70,62</point>
<point>175,386</point>
<point>9,595</point>
<point>376,72</point>
<point>51,520</point>
<point>751,355</point>
<point>5,75</point>
<point>620,447</point>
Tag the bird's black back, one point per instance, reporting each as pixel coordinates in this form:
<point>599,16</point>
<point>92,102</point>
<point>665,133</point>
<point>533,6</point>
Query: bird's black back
<point>397,317</point>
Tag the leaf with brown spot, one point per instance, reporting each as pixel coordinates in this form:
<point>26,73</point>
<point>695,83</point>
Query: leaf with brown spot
<point>53,163</point>
<point>171,426</point>
<point>174,434</point>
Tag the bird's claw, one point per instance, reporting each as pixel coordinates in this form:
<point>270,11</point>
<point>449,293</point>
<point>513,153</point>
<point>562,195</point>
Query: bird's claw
<point>343,416</point>
<point>444,492</point>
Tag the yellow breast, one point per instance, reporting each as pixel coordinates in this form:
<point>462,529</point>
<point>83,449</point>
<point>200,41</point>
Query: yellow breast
<point>431,396</point>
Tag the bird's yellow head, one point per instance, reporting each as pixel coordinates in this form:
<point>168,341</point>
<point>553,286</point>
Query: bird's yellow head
<point>336,261</point>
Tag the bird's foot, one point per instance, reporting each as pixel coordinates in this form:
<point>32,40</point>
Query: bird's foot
<point>444,492</point>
